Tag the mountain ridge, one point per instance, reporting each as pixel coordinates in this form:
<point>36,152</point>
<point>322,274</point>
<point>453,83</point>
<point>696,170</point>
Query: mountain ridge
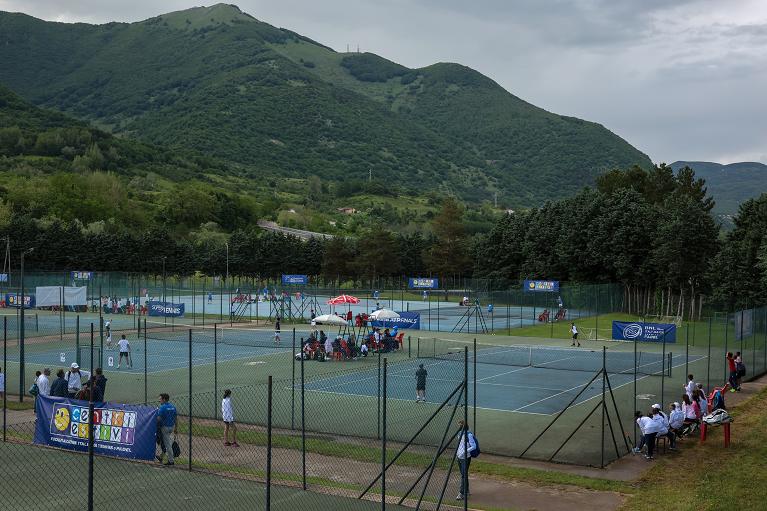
<point>220,81</point>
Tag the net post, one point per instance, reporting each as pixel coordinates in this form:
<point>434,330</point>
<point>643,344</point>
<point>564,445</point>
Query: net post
<point>189,465</point>
<point>269,447</point>
<point>303,421</point>
<point>383,441</point>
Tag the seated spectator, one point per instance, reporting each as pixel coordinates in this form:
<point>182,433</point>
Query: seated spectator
<point>642,422</point>
<point>691,411</point>
<point>364,349</point>
<point>663,426</point>
<point>675,418</point>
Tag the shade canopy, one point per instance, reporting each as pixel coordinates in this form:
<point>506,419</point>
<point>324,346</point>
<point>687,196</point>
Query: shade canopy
<point>342,299</point>
<point>329,319</point>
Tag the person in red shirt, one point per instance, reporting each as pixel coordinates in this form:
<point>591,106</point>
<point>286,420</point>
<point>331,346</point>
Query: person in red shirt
<point>733,372</point>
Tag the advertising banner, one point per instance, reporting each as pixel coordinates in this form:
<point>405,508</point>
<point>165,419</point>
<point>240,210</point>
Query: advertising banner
<point>166,309</point>
<point>541,286</point>
<point>644,332</point>
<point>82,275</point>
<point>295,279</point>
<point>421,283</point>
<point>127,431</point>
<point>411,320</point>
<point>13,300</point>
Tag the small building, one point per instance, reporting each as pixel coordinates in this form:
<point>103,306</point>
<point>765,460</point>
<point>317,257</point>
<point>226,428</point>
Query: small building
<point>347,211</point>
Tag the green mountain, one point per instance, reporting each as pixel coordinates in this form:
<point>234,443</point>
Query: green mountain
<point>274,103</point>
<point>730,185</point>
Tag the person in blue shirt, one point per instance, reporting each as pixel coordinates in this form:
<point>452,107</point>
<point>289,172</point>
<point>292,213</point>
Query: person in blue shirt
<point>166,422</point>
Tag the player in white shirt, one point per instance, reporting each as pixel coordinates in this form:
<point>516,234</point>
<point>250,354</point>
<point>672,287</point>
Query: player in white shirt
<point>574,331</point>
<point>108,332</point>
<point>124,352</point>
<point>690,385</point>
<point>227,414</point>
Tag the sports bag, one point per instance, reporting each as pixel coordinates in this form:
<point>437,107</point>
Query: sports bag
<point>717,417</point>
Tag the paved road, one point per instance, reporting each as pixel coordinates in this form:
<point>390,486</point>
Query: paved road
<point>272,226</point>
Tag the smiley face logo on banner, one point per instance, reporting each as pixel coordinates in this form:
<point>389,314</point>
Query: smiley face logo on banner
<point>61,419</point>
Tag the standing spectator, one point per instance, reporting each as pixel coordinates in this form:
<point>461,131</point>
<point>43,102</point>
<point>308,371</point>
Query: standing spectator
<point>420,384</point>
<point>210,297</point>
<point>74,379</point>
<point>101,382</point>
<point>59,386</point>
<point>312,314</point>
<point>349,317</point>
<point>124,347</point>
<point>466,444</point>
<point>227,414</point>
<point>44,383</point>
<point>425,295</point>
<point>740,369</point>
<point>328,347</point>
<point>97,392</point>
<point>690,385</point>
<point>733,380</point>
<point>277,331</point>
<point>166,420</point>
<point>574,331</point>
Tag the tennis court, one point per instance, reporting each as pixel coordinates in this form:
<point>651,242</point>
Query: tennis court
<point>524,379</point>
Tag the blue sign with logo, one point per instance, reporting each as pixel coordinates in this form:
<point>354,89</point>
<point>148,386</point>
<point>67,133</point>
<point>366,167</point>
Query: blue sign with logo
<point>295,279</point>
<point>421,283</point>
<point>82,275</point>
<point>644,332</point>
<point>3,277</point>
<point>541,286</point>
<point>166,309</point>
<point>127,431</point>
<point>411,320</point>
<point>14,300</point>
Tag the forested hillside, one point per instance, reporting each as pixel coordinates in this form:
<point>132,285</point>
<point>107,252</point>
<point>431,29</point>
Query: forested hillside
<point>222,83</point>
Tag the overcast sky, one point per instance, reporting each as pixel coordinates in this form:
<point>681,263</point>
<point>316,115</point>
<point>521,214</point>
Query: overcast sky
<point>678,79</point>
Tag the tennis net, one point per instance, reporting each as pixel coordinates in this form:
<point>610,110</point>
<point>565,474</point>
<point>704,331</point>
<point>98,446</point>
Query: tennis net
<point>218,334</point>
<point>546,357</point>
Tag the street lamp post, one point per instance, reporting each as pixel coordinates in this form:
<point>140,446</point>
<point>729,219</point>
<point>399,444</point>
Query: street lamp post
<point>21,330</point>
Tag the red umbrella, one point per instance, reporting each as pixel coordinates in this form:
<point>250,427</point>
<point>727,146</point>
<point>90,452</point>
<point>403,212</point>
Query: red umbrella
<point>338,300</point>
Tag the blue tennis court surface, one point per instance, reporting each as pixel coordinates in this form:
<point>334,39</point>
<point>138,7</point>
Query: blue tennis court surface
<point>525,389</point>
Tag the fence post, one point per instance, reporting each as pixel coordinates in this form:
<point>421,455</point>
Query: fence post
<point>5,364</point>
<point>474,419</point>
<point>604,406</point>
<point>269,447</point>
<point>77,339</point>
<point>303,421</point>
<point>215,370</point>
<point>90,452</point>
<point>726,342</point>
<point>378,393</point>
<point>92,340</point>
<point>293,381</point>
<point>708,359</point>
<point>146,381</point>
<point>190,400</point>
<point>466,457</point>
<point>383,442</point>
<point>687,351</point>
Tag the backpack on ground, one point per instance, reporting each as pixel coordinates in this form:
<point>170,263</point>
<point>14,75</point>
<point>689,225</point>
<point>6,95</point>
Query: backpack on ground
<point>717,417</point>
<point>475,452</point>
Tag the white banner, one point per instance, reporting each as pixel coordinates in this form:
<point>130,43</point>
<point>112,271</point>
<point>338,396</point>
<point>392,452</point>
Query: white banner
<point>51,296</point>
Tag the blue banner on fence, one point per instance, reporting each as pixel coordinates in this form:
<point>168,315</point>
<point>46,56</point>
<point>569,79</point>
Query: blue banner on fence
<point>128,431</point>
<point>645,332</point>
<point>14,300</point>
<point>82,275</point>
<point>541,286</point>
<point>295,279</point>
<point>411,320</point>
<point>166,309</point>
<point>420,283</point>
<point>3,277</point>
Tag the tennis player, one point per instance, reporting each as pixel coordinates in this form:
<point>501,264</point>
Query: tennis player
<point>277,331</point>
<point>124,352</point>
<point>108,330</point>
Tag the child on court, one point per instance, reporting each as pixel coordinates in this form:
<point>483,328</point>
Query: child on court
<point>277,331</point>
<point>227,414</point>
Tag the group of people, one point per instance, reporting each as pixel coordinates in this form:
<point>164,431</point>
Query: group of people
<point>75,383</point>
<point>319,346</point>
<point>681,420</point>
